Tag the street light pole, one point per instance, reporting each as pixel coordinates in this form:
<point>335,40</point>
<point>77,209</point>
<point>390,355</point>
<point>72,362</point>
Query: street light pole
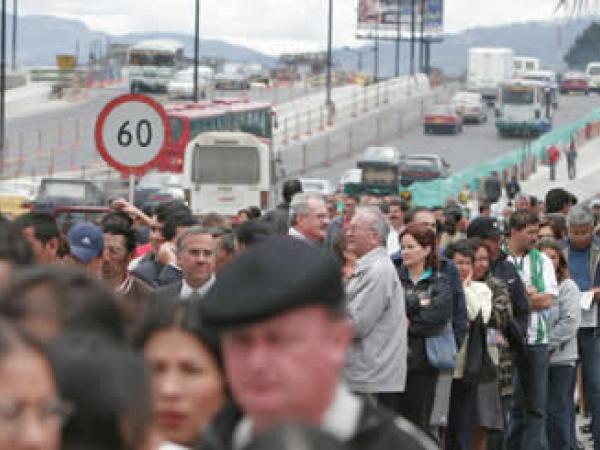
<point>2,86</point>
<point>196,50</point>
<point>329,55</point>
<point>413,19</point>
<point>398,37</point>
<point>376,52</point>
<point>14,36</point>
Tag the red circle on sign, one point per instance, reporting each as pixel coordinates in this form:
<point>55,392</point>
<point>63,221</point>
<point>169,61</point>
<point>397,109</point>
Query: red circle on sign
<point>126,98</point>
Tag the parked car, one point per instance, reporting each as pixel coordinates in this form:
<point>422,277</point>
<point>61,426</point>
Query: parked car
<point>349,179</point>
<point>323,187</point>
<point>165,195</point>
<point>182,85</point>
<point>574,82</point>
<point>16,198</point>
<point>442,119</point>
<point>470,106</point>
<point>152,183</point>
<point>67,216</point>
<point>423,167</point>
<point>56,192</point>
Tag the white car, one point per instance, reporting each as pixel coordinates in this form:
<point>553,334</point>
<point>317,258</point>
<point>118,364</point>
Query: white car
<point>182,85</point>
<point>319,186</point>
<point>470,106</point>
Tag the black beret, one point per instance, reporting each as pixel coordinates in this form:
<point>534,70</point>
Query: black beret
<point>277,276</point>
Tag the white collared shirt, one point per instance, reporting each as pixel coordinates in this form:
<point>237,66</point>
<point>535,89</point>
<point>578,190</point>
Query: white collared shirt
<point>188,291</point>
<point>340,420</point>
<point>296,234</point>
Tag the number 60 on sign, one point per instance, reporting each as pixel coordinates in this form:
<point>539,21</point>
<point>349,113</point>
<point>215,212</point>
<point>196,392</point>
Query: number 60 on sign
<point>131,133</point>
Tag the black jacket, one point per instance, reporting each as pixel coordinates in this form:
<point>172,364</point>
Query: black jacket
<point>279,218</point>
<point>425,320</point>
<point>154,273</point>
<point>378,429</point>
<point>506,271</point>
<point>459,308</point>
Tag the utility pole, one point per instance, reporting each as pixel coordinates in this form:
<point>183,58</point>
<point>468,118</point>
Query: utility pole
<point>376,52</point>
<point>398,40</point>
<point>14,36</point>
<point>196,50</point>
<point>328,102</point>
<point>2,86</point>
<point>422,39</point>
<point>413,30</point>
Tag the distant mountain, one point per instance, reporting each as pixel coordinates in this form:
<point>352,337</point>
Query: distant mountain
<point>549,41</point>
<point>40,38</point>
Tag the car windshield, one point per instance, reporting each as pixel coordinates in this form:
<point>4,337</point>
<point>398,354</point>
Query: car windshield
<point>313,186</point>
<point>420,165</point>
<point>16,189</point>
<point>441,111</point>
<point>379,154</point>
<point>64,189</point>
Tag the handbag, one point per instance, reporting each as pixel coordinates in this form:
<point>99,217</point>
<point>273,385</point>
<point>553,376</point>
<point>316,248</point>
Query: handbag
<point>441,348</point>
<point>479,367</point>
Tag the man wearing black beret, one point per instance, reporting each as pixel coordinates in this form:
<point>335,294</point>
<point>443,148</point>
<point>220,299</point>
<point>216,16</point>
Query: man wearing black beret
<point>280,311</point>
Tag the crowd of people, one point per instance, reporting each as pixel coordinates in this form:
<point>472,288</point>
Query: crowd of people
<point>348,323</point>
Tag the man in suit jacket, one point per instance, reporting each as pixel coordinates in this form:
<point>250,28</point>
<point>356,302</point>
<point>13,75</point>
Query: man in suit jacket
<point>196,256</point>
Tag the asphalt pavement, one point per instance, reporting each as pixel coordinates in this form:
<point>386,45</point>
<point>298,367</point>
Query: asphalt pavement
<point>476,144</point>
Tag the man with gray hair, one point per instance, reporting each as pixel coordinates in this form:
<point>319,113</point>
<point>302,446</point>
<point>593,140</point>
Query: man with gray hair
<point>376,363</point>
<point>308,217</point>
<point>583,255</point>
<point>196,256</point>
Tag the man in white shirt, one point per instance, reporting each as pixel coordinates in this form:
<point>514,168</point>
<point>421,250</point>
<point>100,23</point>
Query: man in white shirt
<point>527,430</point>
<point>308,218</point>
<point>196,256</point>
<point>396,218</point>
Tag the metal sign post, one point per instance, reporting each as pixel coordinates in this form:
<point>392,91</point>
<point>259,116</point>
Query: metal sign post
<point>131,135</point>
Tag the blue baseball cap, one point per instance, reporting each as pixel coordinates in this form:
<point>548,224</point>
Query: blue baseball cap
<point>86,241</point>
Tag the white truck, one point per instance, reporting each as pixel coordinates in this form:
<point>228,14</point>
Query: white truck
<point>488,67</point>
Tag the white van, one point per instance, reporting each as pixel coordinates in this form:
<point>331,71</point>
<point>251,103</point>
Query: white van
<point>593,75</point>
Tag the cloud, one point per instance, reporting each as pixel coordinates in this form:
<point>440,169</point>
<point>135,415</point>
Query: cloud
<point>273,26</point>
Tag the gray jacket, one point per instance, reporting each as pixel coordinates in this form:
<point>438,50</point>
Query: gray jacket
<point>563,323</point>
<point>376,361</point>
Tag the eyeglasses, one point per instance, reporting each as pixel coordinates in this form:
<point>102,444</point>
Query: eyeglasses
<point>52,412</point>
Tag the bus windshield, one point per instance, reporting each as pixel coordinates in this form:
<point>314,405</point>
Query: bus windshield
<point>520,96</point>
<point>594,70</point>
<point>152,59</point>
<point>225,165</point>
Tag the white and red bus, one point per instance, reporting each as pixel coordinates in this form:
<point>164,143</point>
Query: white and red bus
<point>188,120</point>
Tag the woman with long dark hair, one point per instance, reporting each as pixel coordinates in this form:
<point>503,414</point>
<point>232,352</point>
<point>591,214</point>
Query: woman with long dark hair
<point>428,299</point>
<point>188,383</point>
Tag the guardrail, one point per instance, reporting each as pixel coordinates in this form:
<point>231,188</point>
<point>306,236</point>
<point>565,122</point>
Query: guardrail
<point>521,162</point>
<point>300,120</point>
<point>349,138</point>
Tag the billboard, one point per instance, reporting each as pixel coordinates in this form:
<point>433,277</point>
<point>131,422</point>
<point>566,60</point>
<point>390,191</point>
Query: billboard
<point>380,17</point>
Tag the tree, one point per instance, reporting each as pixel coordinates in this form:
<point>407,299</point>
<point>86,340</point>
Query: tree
<point>585,48</point>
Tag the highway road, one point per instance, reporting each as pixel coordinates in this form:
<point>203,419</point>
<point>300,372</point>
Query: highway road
<point>477,143</point>
<point>64,138</point>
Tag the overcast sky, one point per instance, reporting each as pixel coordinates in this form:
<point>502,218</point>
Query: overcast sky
<point>272,26</point>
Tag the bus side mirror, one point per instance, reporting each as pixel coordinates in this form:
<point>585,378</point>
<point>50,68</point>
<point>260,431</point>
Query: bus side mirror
<point>538,114</point>
<point>275,121</point>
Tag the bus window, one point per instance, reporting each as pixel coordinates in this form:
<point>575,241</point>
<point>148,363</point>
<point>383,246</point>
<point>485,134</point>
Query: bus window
<point>198,126</point>
<point>226,165</point>
<point>176,128</point>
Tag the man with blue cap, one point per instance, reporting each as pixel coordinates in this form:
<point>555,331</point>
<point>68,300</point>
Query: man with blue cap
<point>86,243</point>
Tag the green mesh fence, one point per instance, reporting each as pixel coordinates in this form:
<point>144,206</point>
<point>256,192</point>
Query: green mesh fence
<point>436,192</point>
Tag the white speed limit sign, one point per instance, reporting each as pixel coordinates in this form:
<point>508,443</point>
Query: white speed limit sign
<point>131,133</point>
